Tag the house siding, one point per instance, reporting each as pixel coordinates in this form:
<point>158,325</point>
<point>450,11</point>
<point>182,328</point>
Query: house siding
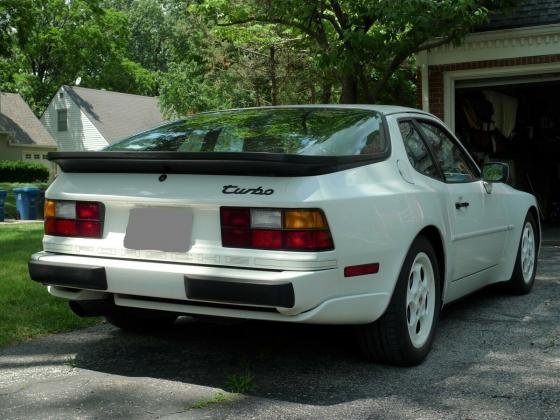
<point>29,154</point>
<point>7,152</point>
<point>81,134</point>
<point>436,74</point>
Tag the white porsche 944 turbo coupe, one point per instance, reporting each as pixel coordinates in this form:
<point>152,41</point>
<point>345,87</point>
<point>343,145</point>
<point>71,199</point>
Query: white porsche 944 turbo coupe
<point>373,216</point>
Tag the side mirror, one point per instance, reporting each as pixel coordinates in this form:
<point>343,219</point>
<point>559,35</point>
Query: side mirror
<point>495,172</point>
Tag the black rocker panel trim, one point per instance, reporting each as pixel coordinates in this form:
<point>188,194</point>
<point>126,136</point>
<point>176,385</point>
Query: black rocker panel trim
<point>68,275</point>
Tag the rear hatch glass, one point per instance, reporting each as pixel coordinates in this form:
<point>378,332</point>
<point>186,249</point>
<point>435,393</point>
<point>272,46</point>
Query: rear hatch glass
<point>304,131</point>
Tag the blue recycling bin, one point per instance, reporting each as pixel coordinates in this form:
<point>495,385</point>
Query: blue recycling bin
<point>41,204</point>
<point>26,202</point>
<point>3,194</point>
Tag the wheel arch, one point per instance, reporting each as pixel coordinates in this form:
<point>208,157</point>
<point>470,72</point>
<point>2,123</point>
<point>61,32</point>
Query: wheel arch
<point>433,234</point>
<point>535,213</point>
<point>518,211</point>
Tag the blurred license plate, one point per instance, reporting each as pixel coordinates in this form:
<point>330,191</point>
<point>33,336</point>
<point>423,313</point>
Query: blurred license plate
<point>165,229</point>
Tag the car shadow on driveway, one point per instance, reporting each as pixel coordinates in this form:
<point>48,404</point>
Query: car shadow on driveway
<point>487,342</point>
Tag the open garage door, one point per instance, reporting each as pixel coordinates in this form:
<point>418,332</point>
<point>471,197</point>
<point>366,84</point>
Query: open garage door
<point>516,120</point>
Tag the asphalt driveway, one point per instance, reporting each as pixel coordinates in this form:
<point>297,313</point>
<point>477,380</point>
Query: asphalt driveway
<point>495,356</point>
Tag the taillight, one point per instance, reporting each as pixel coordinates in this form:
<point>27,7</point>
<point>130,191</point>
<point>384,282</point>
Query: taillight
<point>280,229</point>
<point>80,219</point>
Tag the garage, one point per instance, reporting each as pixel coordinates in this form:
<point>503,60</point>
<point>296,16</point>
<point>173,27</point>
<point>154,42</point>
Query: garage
<point>516,121</point>
<point>498,90</point>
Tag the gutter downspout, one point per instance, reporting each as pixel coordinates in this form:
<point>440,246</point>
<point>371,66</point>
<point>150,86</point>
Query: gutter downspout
<point>423,63</point>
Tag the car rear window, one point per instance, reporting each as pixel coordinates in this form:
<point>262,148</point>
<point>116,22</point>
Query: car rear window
<point>297,131</point>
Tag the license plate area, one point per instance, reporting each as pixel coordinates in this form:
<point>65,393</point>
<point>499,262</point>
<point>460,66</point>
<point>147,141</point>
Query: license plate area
<point>166,229</point>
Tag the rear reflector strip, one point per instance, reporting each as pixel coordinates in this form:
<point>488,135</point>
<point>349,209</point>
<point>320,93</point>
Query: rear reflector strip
<point>361,270</point>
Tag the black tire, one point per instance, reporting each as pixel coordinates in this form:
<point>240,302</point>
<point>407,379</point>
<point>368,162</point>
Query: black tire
<point>388,340</point>
<point>519,284</point>
<point>140,320</point>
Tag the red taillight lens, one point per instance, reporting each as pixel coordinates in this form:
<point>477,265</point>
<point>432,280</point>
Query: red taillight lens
<point>280,229</point>
<point>74,219</point>
<point>232,216</point>
<point>61,227</point>
<point>49,227</point>
<point>236,238</point>
<point>88,211</point>
<point>267,239</point>
<point>89,229</point>
<point>309,240</point>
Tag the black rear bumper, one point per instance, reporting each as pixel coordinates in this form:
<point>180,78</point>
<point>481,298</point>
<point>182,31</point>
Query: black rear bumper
<point>278,295</point>
<point>66,275</point>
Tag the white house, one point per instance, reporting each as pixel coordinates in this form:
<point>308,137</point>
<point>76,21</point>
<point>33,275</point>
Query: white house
<point>83,119</point>
<point>22,137</point>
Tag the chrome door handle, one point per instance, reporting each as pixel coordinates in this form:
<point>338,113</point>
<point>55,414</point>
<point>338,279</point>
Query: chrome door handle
<point>459,205</point>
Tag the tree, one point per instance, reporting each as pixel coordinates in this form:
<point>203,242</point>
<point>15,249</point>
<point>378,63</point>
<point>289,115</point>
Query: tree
<point>202,72</point>
<point>207,54</point>
<point>150,25</point>
<point>49,43</point>
<point>362,43</point>
<point>217,67</point>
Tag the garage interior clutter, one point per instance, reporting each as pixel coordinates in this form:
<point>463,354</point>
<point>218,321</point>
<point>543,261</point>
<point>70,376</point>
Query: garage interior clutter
<point>517,123</point>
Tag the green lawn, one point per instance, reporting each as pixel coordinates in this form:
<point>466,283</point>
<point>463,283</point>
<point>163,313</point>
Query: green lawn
<point>26,308</point>
<point>10,205</point>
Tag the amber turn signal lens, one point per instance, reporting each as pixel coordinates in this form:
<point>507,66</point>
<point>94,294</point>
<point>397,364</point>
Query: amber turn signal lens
<point>304,219</point>
<point>50,208</point>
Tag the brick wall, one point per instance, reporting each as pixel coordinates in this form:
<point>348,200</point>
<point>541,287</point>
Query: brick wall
<point>435,75</point>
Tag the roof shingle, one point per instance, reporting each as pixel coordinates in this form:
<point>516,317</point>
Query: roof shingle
<point>116,115</point>
<point>526,13</point>
<point>19,121</point>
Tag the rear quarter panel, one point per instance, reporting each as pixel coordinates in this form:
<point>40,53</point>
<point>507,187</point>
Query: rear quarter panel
<point>517,205</point>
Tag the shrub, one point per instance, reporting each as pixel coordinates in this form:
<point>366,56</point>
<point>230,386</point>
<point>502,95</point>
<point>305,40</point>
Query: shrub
<point>21,171</point>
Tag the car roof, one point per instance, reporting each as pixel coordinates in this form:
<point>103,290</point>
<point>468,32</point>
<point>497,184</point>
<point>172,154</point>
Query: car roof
<point>382,109</point>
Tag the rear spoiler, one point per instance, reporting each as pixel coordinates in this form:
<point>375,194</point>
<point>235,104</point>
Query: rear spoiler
<point>214,163</point>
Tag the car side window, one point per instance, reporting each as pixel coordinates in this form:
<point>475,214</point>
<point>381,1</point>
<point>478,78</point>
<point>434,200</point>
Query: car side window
<point>418,154</point>
<point>451,159</point>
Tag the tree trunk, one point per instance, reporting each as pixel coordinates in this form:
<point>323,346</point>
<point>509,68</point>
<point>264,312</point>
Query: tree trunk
<point>326,93</point>
<point>349,93</point>
<point>312,93</point>
<point>382,82</point>
<point>366,95</point>
<point>273,77</point>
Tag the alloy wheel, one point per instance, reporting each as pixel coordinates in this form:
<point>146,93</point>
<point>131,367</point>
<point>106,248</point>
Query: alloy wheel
<point>528,252</point>
<point>420,300</point>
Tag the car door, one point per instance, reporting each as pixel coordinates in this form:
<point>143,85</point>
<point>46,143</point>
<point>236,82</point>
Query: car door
<point>478,228</point>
